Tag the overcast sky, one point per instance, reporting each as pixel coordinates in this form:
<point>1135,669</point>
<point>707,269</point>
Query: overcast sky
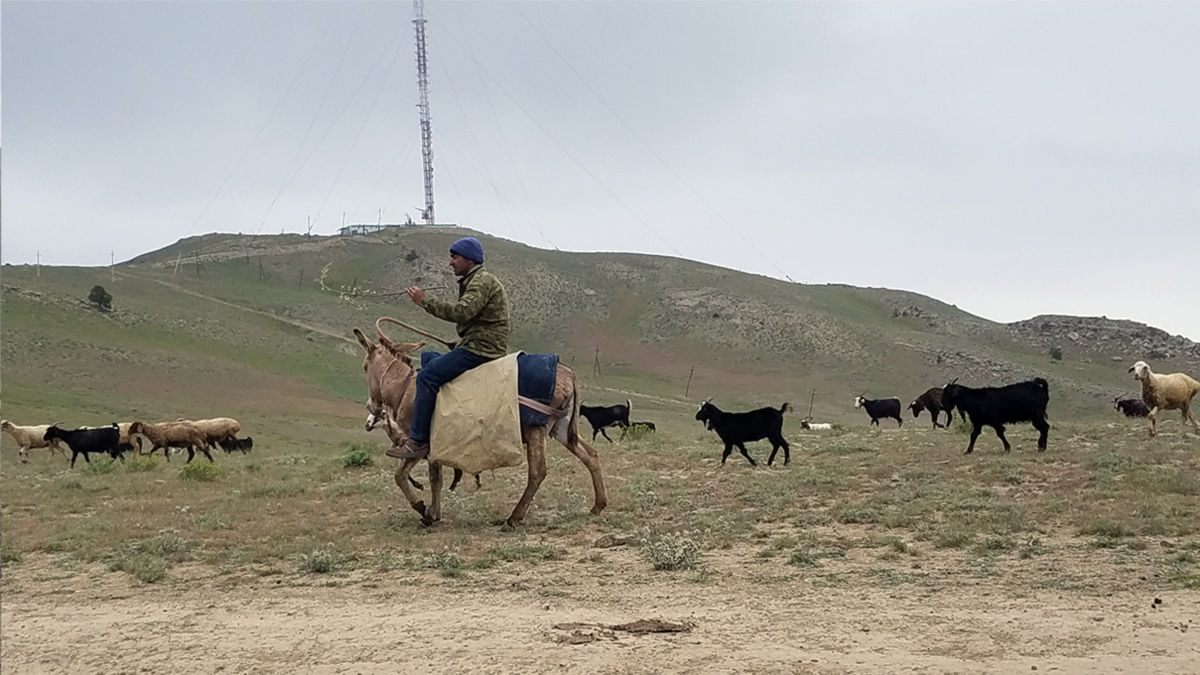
<point>1014,159</point>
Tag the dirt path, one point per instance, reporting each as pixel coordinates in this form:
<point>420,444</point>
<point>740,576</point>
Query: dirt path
<point>90,621</point>
<point>282,319</point>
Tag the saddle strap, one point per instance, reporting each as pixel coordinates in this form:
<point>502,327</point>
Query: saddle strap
<point>538,406</point>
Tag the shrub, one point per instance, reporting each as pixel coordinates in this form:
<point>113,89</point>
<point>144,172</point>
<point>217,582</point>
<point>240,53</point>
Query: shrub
<point>446,562</point>
<point>140,464</point>
<point>147,568</point>
<point>148,559</point>
<point>200,472</point>
<point>323,561</point>
<point>670,551</point>
<point>100,467</point>
<point>357,458</point>
<point>1106,529</point>
<point>100,298</point>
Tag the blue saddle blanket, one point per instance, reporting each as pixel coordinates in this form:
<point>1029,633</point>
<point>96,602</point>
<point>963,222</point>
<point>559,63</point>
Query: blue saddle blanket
<point>536,376</point>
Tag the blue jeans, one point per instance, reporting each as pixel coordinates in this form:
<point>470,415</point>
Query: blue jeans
<point>431,378</point>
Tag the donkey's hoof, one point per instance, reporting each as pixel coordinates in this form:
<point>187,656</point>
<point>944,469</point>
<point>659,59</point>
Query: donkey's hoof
<point>419,507</point>
<point>508,526</point>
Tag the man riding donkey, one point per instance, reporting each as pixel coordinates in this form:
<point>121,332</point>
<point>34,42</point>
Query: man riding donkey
<point>482,322</point>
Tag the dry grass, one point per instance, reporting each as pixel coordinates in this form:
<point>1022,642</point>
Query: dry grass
<point>886,507</point>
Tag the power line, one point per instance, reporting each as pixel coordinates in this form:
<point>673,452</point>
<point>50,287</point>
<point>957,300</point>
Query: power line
<point>568,152</point>
<point>650,149</point>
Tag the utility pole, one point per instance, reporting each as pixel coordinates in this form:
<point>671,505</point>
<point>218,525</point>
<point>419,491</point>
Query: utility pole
<point>112,259</point>
<point>596,363</point>
<point>423,106</point>
<point>689,384</point>
<point>39,264</point>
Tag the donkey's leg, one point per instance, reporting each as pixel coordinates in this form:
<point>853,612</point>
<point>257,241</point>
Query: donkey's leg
<point>434,512</point>
<point>591,459</point>
<point>402,481</point>
<point>535,456</point>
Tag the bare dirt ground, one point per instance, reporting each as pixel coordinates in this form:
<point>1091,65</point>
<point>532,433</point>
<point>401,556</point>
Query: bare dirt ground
<point>82,619</point>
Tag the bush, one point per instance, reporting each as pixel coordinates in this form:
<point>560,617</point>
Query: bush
<point>670,552</point>
<point>200,472</point>
<point>140,464</point>
<point>1056,353</point>
<point>323,561</point>
<point>100,467</point>
<point>147,568</point>
<point>100,297</point>
<point>357,458</point>
<point>148,559</point>
<point>447,563</point>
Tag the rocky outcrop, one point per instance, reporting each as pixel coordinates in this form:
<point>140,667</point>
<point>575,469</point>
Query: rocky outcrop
<point>1117,339</point>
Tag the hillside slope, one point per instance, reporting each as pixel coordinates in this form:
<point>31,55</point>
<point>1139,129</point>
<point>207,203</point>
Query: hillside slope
<point>241,325</point>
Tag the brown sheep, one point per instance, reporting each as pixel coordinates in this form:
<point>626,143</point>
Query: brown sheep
<point>167,435</point>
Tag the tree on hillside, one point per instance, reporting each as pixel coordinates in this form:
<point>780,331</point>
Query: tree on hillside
<point>101,298</point>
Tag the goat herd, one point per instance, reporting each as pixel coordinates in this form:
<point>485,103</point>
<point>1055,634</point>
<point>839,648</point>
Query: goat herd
<point>985,406</point>
<point>118,438</point>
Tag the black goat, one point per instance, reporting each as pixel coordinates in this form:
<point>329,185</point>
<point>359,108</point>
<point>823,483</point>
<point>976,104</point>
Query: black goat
<point>1132,407</point>
<point>931,400</point>
<point>244,445</point>
<point>997,406</point>
<point>84,441</point>
<point>880,408</point>
<point>740,428</point>
<point>606,416</point>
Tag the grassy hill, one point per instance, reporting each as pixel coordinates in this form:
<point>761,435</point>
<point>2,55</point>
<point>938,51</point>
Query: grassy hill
<point>241,325</point>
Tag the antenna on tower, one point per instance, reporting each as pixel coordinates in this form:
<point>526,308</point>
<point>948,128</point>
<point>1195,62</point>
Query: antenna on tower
<point>423,106</point>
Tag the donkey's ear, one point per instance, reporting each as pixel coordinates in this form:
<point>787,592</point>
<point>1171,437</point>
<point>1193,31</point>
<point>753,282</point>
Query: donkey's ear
<point>401,348</point>
<point>362,340</point>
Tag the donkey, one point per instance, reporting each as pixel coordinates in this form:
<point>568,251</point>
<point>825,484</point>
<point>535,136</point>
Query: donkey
<point>390,375</point>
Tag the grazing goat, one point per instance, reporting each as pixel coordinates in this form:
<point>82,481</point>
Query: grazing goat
<point>880,408</point>
<point>606,416</point>
<point>86,441</point>
<point>1131,407</point>
<point>815,426</point>
<point>997,406</point>
<point>243,445</point>
<point>30,438</point>
<point>740,428</point>
<point>931,400</point>
<point>1166,392</point>
<point>177,434</point>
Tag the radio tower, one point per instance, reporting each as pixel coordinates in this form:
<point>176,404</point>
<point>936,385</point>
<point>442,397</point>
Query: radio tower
<point>423,106</point>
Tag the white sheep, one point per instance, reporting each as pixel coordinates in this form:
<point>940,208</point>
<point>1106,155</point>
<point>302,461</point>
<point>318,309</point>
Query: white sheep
<point>31,437</point>
<point>1166,392</point>
<point>815,426</point>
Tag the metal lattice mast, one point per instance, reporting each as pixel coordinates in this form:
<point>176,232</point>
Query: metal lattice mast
<point>423,106</point>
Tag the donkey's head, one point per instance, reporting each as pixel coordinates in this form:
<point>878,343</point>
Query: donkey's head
<point>378,357</point>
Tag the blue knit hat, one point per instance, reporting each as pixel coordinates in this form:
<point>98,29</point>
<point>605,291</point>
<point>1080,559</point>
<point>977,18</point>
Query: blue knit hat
<point>469,248</point>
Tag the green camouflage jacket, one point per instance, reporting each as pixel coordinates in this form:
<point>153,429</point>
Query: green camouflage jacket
<point>480,315</point>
